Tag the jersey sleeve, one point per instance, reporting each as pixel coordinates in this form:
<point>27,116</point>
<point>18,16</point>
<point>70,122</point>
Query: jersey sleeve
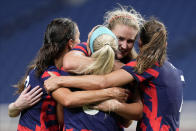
<point>82,47</point>
<point>149,74</point>
<point>53,70</point>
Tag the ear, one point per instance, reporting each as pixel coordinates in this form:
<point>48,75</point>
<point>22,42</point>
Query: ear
<point>139,43</point>
<point>70,44</point>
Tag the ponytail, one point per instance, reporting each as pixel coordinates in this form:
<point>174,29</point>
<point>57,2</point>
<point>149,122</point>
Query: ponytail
<point>104,61</point>
<point>104,53</point>
<point>153,37</point>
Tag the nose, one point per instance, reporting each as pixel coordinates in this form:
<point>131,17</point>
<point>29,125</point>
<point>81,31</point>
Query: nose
<point>124,45</point>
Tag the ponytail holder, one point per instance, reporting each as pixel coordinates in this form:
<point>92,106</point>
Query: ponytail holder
<point>100,31</point>
<point>106,44</point>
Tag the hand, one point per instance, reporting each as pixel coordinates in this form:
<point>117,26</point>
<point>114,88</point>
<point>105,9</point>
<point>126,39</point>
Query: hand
<point>51,83</point>
<point>107,106</point>
<point>118,93</point>
<point>28,99</point>
<point>117,65</point>
<point>90,33</point>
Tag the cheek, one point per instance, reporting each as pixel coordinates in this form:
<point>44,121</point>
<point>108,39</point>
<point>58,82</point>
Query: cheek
<point>130,46</point>
<point>78,41</point>
<point>119,43</point>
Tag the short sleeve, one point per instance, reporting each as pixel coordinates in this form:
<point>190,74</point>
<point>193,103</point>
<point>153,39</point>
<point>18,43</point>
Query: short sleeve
<point>81,47</point>
<point>149,74</point>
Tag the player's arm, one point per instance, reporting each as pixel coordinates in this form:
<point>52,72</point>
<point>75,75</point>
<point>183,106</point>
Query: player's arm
<point>90,82</point>
<point>25,100</point>
<point>79,98</point>
<point>133,110</point>
<point>128,111</point>
<point>60,116</point>
<point>74,60</point>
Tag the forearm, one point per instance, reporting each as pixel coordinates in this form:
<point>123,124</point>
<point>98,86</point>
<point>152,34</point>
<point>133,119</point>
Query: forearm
<point>118,65</point>
<point>130,111</point>
<point>60,115</point>
<point>80,61</point>
<point>13,111</point>
<point>80,98</point>
<point>88,82</point>
<point>92,82</point>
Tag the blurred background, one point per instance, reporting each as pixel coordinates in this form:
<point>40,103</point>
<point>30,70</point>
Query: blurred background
<point>23,24</point>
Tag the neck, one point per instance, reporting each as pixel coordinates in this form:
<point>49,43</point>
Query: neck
<point>89,51</point>
<point>58,62</point>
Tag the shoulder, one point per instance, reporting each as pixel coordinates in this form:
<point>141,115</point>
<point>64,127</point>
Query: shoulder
<point>52,69</point>
<point>81,47</point>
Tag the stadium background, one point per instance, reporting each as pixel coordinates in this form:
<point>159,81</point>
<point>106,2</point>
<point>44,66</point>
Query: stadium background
<point>23,23</point>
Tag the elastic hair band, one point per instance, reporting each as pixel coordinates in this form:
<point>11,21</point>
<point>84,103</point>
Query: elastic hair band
<point>100,31</point>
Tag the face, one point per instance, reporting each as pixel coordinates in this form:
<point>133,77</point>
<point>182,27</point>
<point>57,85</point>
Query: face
<point>126,37</point>
<point>77,38</point>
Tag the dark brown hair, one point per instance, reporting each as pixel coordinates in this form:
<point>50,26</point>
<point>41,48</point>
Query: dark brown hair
<point>56,36</point>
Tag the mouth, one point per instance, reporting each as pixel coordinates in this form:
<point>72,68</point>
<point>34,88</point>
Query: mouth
<point>122,51</point>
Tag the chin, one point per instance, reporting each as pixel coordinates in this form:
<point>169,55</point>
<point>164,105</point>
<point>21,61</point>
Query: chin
<point>119,56</point>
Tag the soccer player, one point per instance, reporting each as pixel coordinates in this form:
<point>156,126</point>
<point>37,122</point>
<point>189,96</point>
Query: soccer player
<point>61,34</point>
<point>161,83</point>
<point>102,45</point>
<point>125,24</point>
<point>42,116</point>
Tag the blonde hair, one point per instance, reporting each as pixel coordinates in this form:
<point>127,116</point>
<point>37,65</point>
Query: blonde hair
<point>124,16</point>
<point>154,48</point>
<point>104,48</point>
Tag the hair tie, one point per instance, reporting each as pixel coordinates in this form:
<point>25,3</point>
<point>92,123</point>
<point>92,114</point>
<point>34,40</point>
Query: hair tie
<point>100,31</point>
<point>106,44</point>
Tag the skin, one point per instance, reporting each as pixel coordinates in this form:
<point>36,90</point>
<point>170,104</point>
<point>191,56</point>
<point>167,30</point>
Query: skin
<point>126,37</point>
<point>28,99</point>
<point>94,82</point>
<point>125,44</point>
<point>80,98</point>
<point>25,100</point>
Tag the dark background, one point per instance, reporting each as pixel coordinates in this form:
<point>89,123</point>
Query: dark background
<point>23,23</point>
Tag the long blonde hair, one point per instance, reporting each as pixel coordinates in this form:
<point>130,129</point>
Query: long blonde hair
<point>104,47</point>
<point>153,37</point>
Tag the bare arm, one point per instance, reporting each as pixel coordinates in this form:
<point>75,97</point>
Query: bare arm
<point>117,65</point>
<point>127,112</point>
<point>25,100</point>
<point>74,60</point>
<point>79,98</point>
<point>133,110</point>
<point>90,82</point>
<point>60,115</point>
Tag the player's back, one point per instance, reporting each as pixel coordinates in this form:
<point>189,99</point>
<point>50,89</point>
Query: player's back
<point>169,85</point>
<point>41,116</point>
